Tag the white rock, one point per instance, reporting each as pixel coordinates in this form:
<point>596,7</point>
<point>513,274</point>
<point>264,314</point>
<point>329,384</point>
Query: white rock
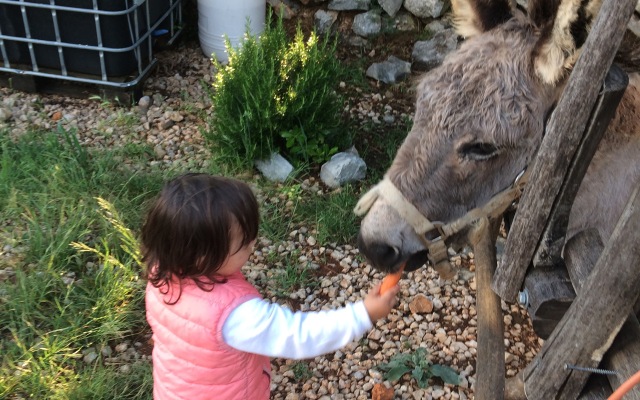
<point>276,168</point>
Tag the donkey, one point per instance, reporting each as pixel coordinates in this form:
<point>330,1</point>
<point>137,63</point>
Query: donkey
<point>480,118</point>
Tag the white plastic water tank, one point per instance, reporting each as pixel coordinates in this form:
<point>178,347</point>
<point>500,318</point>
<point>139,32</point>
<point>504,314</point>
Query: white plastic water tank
<point>217,18</point>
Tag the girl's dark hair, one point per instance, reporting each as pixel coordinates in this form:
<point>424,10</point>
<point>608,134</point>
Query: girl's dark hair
<point>188,230</point>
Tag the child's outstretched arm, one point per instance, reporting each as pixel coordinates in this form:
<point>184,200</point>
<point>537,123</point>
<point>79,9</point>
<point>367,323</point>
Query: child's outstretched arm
<point>261,327</point>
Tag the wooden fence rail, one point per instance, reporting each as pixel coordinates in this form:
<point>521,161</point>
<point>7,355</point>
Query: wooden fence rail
<point>588,329</point>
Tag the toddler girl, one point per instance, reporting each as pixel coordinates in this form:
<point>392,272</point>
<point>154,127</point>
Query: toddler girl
<point>213,333</point>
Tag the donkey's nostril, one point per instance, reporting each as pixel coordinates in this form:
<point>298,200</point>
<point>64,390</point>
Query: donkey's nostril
<point>382,256</point>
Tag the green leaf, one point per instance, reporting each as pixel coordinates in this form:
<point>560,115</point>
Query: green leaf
<point>421,358</point>
<point>388,366</point>
<point>399,359</point>
<point>447,374</point>
<point>417,373</point>
<point>396,372</point>
<point>423,383</point>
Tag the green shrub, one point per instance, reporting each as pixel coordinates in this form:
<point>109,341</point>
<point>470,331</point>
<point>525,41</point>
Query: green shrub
<point>278,95</point>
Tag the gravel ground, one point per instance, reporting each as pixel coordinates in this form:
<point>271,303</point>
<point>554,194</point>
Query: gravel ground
<point>432,313</point>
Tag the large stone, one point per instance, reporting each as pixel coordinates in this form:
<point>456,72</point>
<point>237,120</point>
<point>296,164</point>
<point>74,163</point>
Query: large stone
<point>5,114</point>
<point>276,168</point>
<point>346,5</point>
<point>381,392</point>
<point>390,71</point>
<point>342,168</point>
<point>425,8</point>
<point>429,54</point>
<point>324,20</point>
<point>391,7</point>
<point>421,305</point>
<point>367,24</point>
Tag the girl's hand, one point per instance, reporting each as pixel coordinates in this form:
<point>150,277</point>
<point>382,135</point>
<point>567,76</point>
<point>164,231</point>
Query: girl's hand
<point>380,305</point>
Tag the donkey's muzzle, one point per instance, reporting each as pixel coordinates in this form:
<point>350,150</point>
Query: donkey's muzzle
<point>382,256</point>
<point>388,258</point>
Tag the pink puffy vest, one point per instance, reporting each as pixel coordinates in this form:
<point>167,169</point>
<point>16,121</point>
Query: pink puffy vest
<point>191,361</point>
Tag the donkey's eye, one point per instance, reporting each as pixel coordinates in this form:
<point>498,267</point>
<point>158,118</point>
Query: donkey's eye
<point>478,150</point>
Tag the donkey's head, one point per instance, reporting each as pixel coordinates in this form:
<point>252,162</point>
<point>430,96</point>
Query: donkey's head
<point>479,117</point>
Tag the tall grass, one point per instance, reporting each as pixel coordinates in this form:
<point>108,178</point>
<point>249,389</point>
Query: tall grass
<point>76,269</point>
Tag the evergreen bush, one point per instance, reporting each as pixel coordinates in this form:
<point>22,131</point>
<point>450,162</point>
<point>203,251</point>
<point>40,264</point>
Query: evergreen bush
<point>278,95</point>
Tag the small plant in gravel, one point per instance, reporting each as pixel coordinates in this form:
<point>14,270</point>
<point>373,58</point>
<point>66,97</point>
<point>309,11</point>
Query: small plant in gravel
<point>301,371</point>
<point>291,275</point>
<point>420,367</point>
<point>277,94</point>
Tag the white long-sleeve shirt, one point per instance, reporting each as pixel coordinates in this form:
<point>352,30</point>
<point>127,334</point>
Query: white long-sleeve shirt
<point>266,328</point>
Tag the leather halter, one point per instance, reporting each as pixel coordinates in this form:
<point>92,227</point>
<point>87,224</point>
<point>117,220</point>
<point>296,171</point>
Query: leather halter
<point>437,247</point>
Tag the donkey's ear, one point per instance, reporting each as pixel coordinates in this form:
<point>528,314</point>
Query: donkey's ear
<point>564,25</point>
<point>471,17</point>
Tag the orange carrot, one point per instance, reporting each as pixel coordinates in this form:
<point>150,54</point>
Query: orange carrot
<point>391,280</point>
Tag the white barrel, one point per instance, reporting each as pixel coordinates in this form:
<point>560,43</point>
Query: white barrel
<point>217,18</point>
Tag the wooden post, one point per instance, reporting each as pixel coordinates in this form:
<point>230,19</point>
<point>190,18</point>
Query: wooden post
<point>549,289</point>
<point>594,319</point>
<point>565,129</point>
<point>597,388</point>
<point>490,357</point>
<point>581,253</point>
<point>549,251</point>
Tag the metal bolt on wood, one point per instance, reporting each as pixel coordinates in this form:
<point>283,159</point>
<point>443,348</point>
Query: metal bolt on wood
<point>523,298</point>
<point>592,370</point>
